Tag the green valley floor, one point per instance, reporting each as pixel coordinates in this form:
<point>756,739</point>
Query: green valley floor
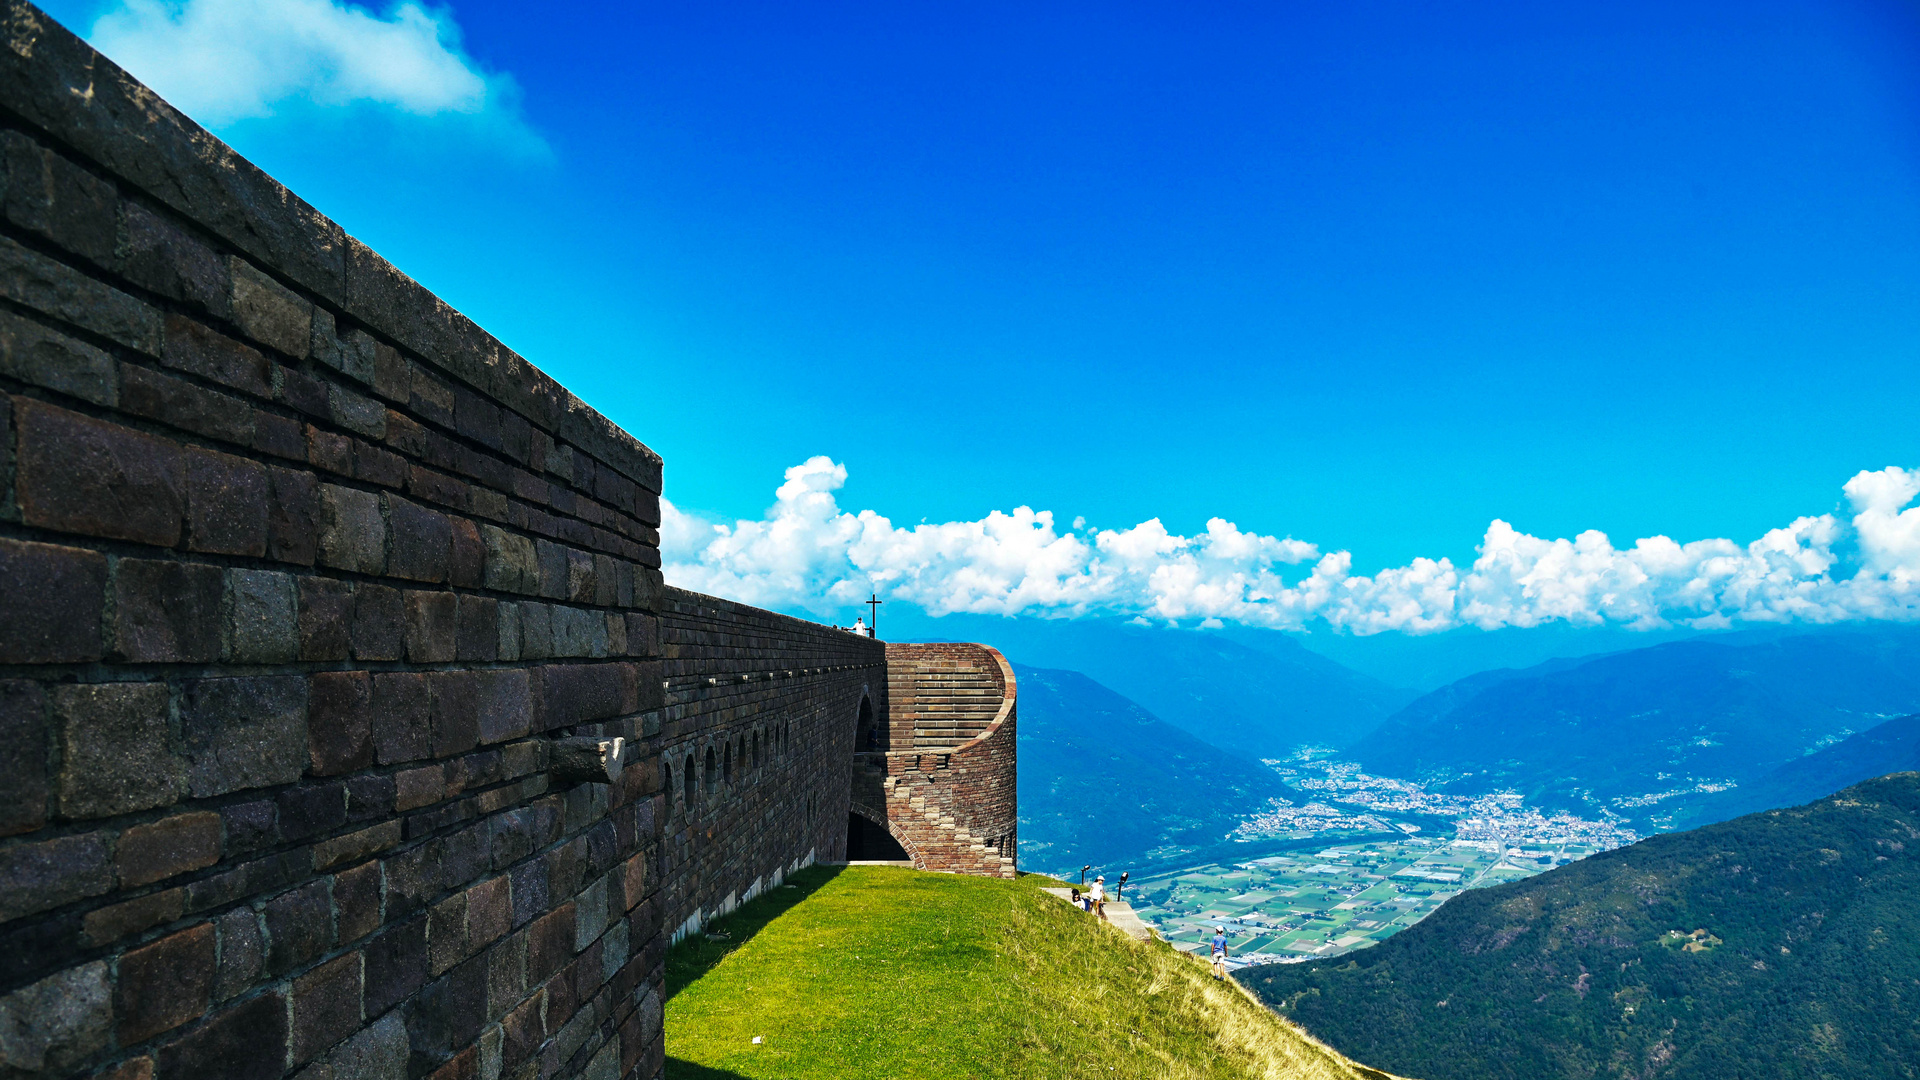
<point>887,972</point>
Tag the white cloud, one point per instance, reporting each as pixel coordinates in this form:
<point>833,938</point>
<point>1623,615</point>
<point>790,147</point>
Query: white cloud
<point>806,553</point>
<point>220,61</point>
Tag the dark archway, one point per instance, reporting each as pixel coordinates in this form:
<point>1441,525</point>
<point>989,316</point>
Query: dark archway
<point>869,842</point>
<point>687,781</point>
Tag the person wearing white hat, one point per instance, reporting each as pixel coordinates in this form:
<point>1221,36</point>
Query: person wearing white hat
<point>1219,952</point>
<point>1099,895</point>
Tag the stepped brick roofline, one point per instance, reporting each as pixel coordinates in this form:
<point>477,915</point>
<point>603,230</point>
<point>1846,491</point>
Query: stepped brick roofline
<point>1002,671</point>
<point>954,806</point>
<point>1009,690</point>
<point>56,81</point>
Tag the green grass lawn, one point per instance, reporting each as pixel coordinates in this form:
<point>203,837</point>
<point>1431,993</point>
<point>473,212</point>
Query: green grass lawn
<point>887,972</point>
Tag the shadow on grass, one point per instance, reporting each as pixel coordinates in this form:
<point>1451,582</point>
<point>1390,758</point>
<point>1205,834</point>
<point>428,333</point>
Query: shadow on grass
<point>698,953</point>
<point>688,1070</point>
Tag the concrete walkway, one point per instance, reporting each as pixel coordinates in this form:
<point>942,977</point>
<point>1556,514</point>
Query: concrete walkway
<point>1119,913</point>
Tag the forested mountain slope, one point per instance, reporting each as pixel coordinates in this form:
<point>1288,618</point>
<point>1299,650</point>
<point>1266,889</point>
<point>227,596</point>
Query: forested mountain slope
<point>1784,944</point>
<point>1893,745</point>
<point>1103,780</point>
<point>1616,729</point>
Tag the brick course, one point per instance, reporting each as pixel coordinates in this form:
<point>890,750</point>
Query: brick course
<point>272,514</point>
<point>300,572</point>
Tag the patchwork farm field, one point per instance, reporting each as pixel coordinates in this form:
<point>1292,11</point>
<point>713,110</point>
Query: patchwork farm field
<point>1327,902</point>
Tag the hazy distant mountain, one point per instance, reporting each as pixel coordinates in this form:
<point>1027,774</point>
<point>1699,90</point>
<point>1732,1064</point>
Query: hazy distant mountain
<point>1891,747</point>
<point>1103,781</point>
<point>1652,720</point>
<point>1779,945</point>
<point>1262,701</point>
<point>1430,661</point>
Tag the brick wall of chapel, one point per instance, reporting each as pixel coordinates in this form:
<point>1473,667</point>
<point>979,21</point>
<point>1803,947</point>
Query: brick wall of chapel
<point>300,574</point>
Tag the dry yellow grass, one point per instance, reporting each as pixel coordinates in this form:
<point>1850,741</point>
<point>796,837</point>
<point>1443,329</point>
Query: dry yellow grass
<point>1247,1039</point>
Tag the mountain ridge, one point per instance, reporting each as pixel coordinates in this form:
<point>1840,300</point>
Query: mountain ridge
<point>1259,701</point>
<point>1103,780</point>
<point>1892,745</point>
<point>1636,730</point>
<point>1779,944</point>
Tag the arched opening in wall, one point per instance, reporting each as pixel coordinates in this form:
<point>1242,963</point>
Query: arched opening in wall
<point>687,782</point>
<point>713,773</point>
<point>755,759</point>
<point>726,766</point>
<point>666,784</point>
<point>866,738</point>
<point>868,842</point>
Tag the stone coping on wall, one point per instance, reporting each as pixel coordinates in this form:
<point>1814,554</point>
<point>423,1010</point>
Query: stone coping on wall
<point>56,82</point>
<point>683,603</point>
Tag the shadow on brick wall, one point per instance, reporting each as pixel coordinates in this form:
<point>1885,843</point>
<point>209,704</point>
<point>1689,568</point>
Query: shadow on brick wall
<point>688,961</point>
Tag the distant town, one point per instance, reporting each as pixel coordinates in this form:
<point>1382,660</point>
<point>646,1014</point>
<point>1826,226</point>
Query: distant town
<point>1406,850</point>
<point>1360,802</point>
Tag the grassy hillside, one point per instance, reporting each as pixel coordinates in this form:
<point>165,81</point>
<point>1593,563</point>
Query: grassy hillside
<point>1104,781</point>
<point>885,972</point>
<point>1784,944</point>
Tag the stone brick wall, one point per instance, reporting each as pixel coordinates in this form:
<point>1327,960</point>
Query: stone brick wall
<point>771,703</point>
<point>302,574</point>
<point>299,573</point>
<point>946,788</point>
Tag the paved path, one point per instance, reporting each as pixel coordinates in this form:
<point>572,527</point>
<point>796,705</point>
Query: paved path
<point>1119,913</point>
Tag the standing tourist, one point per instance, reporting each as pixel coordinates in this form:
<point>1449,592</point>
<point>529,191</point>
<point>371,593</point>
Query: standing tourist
<point>1219,952</point>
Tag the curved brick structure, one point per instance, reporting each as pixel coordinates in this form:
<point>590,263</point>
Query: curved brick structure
<point>944,786</point>
<point>301,575</point>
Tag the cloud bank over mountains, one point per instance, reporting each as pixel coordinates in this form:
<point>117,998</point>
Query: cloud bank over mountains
<point>223,61</point>
<point>808,554</point>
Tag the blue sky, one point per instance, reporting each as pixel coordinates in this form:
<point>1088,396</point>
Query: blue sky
<point>1366,276</point>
